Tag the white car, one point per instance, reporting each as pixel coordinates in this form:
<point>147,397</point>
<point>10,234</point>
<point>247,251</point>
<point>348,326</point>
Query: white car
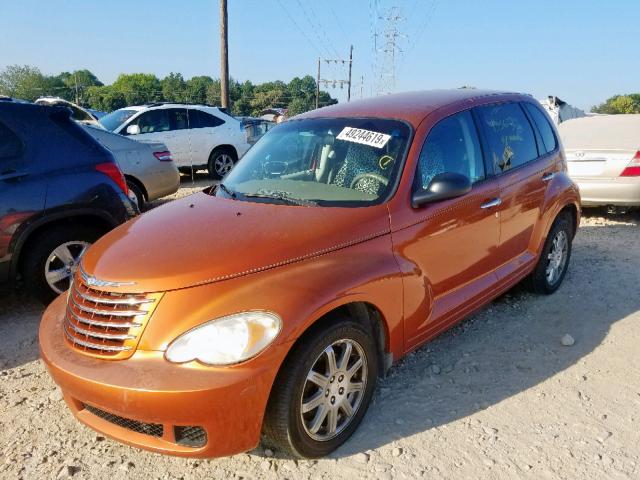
<point>198,136</point>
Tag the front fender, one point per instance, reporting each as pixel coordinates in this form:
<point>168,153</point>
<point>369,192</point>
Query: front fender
<point>300,293</point>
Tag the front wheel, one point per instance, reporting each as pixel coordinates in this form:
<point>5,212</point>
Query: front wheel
<point>554,259</point>
<point>322,391</point>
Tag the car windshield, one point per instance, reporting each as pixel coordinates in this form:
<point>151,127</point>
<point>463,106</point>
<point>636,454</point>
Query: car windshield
<point>115,119</point>
<point>324,161</point>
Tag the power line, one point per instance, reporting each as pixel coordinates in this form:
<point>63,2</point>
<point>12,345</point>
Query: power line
<point>298,27</point>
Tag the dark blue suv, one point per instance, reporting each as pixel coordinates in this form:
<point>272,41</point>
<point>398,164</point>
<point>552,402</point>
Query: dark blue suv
<point>60,190</point>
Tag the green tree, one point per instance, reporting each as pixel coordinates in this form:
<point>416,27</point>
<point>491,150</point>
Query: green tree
<point>197,88</point>
<point>138,88</point>
<point>173,87</point>
<point>620,104</point>
<point>77,83</point>
<point>28,83</point>
<point>105,98</point>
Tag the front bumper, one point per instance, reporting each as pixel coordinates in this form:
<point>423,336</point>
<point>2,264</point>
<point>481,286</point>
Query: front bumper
<point>622,191</point>
<point>146,401</point>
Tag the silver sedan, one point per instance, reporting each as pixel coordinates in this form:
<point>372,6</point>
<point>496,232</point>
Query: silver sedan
<point>147,166</point>
<point>603,158</point>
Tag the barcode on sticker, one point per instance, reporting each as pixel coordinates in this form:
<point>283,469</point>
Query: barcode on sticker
<point>364,137</point>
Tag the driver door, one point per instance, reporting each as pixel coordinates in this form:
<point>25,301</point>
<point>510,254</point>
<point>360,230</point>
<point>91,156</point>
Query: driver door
<point>448,247</point>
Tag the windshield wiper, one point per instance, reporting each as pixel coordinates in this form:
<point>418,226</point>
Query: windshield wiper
<point>282,197</point>
<point>226,190</point>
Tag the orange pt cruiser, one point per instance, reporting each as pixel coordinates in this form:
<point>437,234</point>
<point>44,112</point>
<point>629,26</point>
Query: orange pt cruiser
<point>344,239</point>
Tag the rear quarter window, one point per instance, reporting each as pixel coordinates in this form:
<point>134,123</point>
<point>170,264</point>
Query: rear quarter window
<point>11,150</point>
<point>510,138</point>
<point>543,126</point>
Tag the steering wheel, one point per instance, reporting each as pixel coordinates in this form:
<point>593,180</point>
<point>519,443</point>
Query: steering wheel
<point>375,176</point>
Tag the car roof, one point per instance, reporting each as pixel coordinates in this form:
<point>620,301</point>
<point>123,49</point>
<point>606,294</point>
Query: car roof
<point>411,107</point>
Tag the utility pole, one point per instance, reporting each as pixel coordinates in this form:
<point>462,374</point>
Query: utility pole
<point>318,85</point>
<point>350,64</point>
<point>224,56</point>
<point>387,80</point>
<point>333,82</point>
<point>75,76</point>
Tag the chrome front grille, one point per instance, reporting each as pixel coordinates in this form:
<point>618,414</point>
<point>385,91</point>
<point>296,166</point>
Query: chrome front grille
<point>103,323</point>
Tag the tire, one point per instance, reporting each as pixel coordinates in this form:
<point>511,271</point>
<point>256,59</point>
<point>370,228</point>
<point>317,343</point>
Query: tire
<point>136,191</point>
<point>221,161</point>
<point>285,428</point>
<point>40,251</point>
<point>540,280</point>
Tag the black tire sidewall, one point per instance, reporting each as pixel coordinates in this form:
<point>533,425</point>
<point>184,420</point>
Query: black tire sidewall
<point>539,277</point>
<point>39,251</point>
<point>138,193</point>
<point>212,161</point>
<point>302,361</point>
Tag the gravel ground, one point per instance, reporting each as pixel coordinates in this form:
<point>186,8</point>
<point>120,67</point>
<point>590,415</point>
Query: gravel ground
<point>499,396</point>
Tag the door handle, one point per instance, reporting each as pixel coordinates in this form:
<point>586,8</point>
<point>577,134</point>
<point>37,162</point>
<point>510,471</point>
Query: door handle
<point>548,176</point>
<point>491,203</point>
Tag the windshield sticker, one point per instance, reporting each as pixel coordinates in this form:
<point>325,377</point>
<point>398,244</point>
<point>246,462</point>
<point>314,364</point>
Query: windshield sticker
<point>364,137</point>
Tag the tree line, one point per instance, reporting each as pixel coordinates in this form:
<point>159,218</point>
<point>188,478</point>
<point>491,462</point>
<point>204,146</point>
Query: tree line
<point>620,104</point>
<point>84,88</point>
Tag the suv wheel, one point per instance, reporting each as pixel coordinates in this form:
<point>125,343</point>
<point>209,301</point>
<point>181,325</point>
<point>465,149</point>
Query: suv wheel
<point>135,194</point>
<point>221,161</point>
<point>322,391</point>
<point>554,259</point>
<point>53,258</point>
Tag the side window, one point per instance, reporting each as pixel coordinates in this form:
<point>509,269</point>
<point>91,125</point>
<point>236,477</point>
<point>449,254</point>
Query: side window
<point>179,118</point>
<point>153,121</point>
<point>509,135</point>
<point>11,148</point>
<point>541,122</point>
<point>452,146</point>
<point>205,120</point>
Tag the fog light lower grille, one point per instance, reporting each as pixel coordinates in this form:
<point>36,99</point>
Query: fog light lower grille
<point>152,429</point>
<point>190,436</point>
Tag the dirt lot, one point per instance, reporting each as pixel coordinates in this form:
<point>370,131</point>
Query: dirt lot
<point>497,397</point>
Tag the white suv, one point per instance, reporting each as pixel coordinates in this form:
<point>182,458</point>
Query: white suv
<point>197,136</point>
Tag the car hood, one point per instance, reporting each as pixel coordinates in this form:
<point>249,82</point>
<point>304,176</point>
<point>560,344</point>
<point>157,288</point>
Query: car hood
<point>204,239</point>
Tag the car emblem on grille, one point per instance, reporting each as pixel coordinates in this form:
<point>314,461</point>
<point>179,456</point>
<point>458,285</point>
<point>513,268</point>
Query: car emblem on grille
<point>96,282</point>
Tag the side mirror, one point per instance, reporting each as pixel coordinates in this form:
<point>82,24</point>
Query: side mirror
<point>133,130</point>
<point>442,187</point>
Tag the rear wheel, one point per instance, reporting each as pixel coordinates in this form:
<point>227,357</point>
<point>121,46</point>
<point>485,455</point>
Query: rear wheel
<point>554,260</point>
<point>53,258</point>
<point>322,391</point>
<point>221,161</point>
<point>135,194</point>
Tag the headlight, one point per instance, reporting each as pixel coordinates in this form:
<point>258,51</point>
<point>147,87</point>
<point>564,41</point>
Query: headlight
<point>226,340</point>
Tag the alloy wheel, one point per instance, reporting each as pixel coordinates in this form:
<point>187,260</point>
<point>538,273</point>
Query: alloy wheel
<point>62,263</point>
<point>333,389</point>
<point>557,257</point>
<point>223,164</point>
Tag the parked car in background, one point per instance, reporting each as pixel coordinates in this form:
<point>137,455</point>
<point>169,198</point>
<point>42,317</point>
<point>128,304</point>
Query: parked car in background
<point>60,190</point>
<point>346,238</point>
<point>78,114</point>
<point>603,157</point>
<point>198,136</point>
<point>147,166</point>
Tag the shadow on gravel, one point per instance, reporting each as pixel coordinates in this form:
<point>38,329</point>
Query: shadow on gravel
<point>19,322</point>
<point>508,347</point>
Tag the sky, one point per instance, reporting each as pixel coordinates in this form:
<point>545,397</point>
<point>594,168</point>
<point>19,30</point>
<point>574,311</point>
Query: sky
<point>581,51</point>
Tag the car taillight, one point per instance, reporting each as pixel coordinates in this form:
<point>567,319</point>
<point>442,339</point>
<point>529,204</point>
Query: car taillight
<point>163,156</point>
<point>112,171</point>
<point>633,169</point>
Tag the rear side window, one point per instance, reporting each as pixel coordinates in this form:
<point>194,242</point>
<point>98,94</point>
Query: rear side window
<point>200,119</point>
<point>510,138</point>
<point>453,147</point>
<point>179,119</point>
<point>541,122</point>
<point>11,148</point>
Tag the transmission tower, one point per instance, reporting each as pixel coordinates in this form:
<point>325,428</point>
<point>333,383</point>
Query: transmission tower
<point>389,51</point>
